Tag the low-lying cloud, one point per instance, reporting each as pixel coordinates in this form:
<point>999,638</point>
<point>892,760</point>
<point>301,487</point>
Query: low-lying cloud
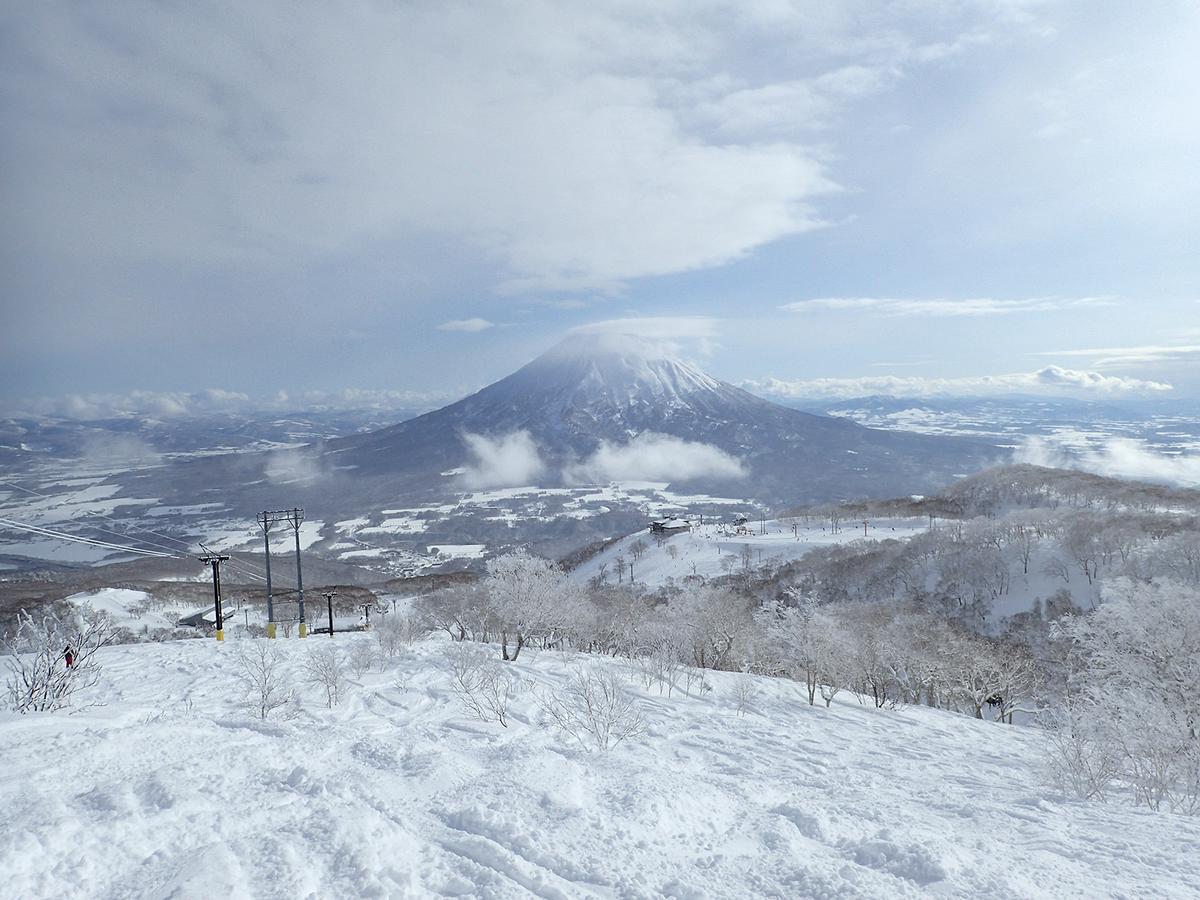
<point>510,460</point>
<point>655,457</point>
<point>1115,458</point>
<point>112,448</point>
<point>216,401</point>
<point>1047,380</point>
<point>299,465</point>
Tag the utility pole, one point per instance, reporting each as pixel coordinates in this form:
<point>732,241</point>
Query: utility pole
<point>329,595</point>
<point>215,561</point>
<point>265,521</point>
<point>297,517</point>
<point>294,517</point>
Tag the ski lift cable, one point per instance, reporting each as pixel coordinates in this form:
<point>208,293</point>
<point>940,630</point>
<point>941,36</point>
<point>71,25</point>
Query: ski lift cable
<point>184,544</point>
<point>187,548</point>
<point>62,536</point>
<point>245,572</point>
<point>245,566</point>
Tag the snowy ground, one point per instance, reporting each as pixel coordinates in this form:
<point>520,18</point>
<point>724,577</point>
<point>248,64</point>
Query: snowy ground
<point>711,550</point>
<point>138,612</point>
<point>126,608</point>
<point>170,789</point>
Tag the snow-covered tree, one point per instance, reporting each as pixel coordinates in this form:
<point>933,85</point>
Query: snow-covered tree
<point>1135,671</point>
<point>531,598</point>
<point>712,621</point>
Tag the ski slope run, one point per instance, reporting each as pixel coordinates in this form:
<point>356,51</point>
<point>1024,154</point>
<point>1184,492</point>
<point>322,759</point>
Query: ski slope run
<point>711,550</point>
<point>172,790</point>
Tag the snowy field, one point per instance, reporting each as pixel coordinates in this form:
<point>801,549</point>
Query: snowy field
<point>712,550</point>
<point>171,789</point>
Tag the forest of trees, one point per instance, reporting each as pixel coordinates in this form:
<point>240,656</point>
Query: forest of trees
<point>1045,600</point>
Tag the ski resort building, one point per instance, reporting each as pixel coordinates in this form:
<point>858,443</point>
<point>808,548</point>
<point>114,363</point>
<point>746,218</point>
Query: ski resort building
<point>670,526</point>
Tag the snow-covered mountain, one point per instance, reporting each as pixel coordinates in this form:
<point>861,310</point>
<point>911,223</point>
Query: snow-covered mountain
<point>594,389</point>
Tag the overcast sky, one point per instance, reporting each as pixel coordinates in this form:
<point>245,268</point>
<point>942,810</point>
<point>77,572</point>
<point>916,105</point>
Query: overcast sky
<point>814,197</point>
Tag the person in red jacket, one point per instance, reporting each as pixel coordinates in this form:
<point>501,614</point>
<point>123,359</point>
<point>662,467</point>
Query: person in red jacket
<point>69,656</point>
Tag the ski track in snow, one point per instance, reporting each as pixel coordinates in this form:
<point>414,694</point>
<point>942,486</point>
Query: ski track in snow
<point>171,789</point>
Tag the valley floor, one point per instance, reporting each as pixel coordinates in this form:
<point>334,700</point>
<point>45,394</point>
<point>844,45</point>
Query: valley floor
<point>170,789</point>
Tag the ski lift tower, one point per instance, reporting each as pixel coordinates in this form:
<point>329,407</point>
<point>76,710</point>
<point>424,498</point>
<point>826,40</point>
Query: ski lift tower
<point>293,517</point>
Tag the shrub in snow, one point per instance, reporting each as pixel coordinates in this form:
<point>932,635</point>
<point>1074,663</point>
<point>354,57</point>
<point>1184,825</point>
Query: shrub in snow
<point>395,631</point>
<point>483,685</point>
<point>262,676</point>
<point>745,692</point>
<point>326,669</point>
<point>39,677</point>
<point>361,657</point>
<point>594,709</point>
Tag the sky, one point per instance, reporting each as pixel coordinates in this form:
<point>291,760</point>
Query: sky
<point>408,201</point>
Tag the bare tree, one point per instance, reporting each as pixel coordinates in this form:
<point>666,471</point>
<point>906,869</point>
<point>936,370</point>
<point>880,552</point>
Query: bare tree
<point>50,661</point>
<point>325,668</point>
<point>594,709</point>
<point>397,630</point>
<point>362,656</point>
<point>746,691</point>
<point>483,685</point>
<point>262,676</point>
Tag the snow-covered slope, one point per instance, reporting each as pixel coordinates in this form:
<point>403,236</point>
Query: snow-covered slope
<point>712,550</point>
<point>170,790</point>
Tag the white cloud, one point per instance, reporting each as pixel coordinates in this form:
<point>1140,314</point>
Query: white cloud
<point>466,325</point>
<point>1050,379</point>
<point>797,105</point>
<point>1116,357</point>
<point>556,146</point>
<point>510,460</point>
<point>1116,458</point>
<point>655,457</point>
<point>978,306</point>
<point>655,327</point>
<point>671,334</point>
